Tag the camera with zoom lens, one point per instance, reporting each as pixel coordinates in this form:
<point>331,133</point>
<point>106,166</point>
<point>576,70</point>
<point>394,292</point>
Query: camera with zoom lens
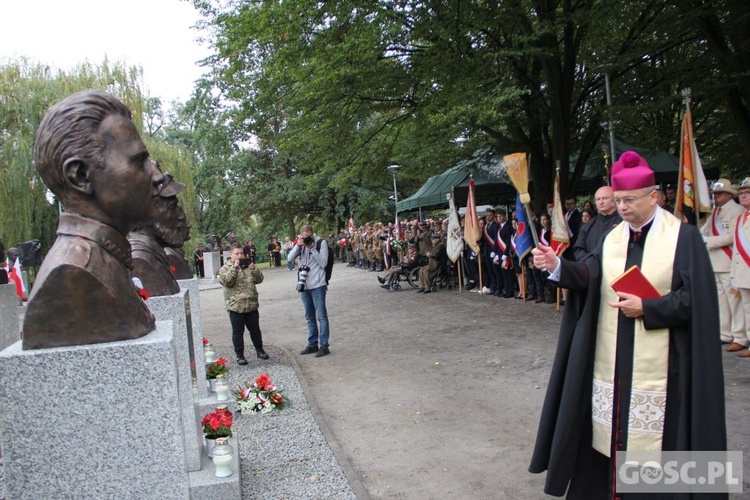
<point>302,277</point>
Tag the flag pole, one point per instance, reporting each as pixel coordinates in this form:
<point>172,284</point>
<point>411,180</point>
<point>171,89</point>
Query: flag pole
<point>460,289</point>
<point>479,263</point>
<point>688,113</point>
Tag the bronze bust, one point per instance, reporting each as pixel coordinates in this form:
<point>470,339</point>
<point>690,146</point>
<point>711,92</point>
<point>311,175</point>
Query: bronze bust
<point>172,231</point>
<point>89,154</point>
<point>150,263</point>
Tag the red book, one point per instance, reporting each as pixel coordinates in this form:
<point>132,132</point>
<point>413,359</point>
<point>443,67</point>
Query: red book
<point>634,282</point>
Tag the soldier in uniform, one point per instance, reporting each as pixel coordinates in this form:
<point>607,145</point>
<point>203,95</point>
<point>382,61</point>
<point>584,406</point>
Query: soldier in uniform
<point>377,247</point>
<point>438,255</point>
<point>718,233</point>
<point>198,260</point>
<point>740,273</point>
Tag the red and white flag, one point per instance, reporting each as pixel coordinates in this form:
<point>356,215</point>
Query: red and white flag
<point>14,274</point>
<point>560,239</point>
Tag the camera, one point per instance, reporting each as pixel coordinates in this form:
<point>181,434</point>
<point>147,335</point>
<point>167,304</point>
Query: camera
<point>302,277</point>
<point>244,263</point>
<point>308,240</point>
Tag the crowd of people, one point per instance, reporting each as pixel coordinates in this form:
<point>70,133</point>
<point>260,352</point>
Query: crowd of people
<point>378,247</point>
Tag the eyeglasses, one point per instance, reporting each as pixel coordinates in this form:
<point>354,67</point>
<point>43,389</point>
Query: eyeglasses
<point>630,199</point>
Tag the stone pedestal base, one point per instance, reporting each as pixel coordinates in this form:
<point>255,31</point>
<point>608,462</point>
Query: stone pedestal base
<point>211,264</point>
<point>98,421</point>
<point>10,326</point>
<point>176,308</point>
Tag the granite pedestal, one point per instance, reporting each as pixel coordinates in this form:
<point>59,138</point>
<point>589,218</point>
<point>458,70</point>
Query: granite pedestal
<point>176,308</point>
<point>93,421</point>
<point>211,264</point>
<point>10,326</point>
<point>199,355</point>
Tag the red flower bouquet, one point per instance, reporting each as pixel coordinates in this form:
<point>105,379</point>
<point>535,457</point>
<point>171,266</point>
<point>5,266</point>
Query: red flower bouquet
<point>217,423</point>
<point>218,367</point>
<point>261,396</point>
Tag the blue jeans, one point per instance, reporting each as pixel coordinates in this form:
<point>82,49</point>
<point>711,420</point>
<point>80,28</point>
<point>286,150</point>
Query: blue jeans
<point>314,302</point>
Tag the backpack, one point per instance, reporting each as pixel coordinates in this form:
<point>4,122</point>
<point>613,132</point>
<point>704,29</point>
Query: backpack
<point>329,264</point>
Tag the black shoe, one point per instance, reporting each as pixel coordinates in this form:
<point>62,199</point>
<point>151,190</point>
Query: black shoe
<point>261,353</point>
<point>385,286</point>
<point>509,295</point>
<point>381,280</point>
<point>421,290</point>
<point>497,294</point>
<point>309,349</point>
<point>427,291</point>
<point>322,352</point>
<point>241,360</point>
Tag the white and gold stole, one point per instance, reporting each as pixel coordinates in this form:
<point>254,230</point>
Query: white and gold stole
<point>648,397</point>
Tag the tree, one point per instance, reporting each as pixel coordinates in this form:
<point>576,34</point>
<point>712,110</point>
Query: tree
<point>351,86</point>
<point>27,89</point>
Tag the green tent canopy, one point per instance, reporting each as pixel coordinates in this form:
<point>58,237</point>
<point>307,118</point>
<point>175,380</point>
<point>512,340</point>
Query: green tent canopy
<point>490,180</point>
<point>493,186</point>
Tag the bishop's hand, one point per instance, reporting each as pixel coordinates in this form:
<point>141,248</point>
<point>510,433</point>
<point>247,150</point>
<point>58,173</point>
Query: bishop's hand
<point>544,257</point>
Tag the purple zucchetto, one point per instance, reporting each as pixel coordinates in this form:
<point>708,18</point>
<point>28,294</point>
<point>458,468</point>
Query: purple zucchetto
<point>631,172</point>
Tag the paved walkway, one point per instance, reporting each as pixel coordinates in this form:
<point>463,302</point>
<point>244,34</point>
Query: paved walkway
<point>430,396</point>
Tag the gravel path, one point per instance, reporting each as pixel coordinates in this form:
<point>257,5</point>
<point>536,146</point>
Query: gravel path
<point>283,454</point>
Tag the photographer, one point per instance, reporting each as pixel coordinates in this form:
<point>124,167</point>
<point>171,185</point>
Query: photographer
<point>239,277</point>
<point>312,285</point>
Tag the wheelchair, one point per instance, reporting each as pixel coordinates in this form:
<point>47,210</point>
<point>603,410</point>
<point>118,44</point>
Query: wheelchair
<point>446,277</point>
<point>408,274</point>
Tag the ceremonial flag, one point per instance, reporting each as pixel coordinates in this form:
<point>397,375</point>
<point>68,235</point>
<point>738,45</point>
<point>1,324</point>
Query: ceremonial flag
<point>472,232</point>
<point>523,234</point>
<point>692,188</point>
<point>560,239</point>
<point>399,232</point>
<point>14,274</point>
<point>454,243</point>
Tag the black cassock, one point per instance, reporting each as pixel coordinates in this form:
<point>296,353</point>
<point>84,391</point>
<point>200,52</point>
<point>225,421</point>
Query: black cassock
<point>694,417</point>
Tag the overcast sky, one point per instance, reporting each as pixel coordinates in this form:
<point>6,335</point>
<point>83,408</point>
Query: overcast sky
<point>153,34</point>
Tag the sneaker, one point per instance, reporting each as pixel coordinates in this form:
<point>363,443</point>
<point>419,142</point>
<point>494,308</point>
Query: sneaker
<point>241,360</point>
<point>309,349</point>
<point>322,352</point>
<point>485,290</point>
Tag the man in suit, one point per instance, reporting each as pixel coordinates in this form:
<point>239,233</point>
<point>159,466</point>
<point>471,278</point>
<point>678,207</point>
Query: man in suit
<point>718,233</point>
<point>606,218</point>
<point>89,154</point>
<point>489,231</point>
<point>573,219</point>
<point>502,261</point>
<point>740,273</point>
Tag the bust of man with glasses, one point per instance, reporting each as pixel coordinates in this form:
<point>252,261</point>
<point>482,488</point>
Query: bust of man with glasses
<point>631,373</point>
